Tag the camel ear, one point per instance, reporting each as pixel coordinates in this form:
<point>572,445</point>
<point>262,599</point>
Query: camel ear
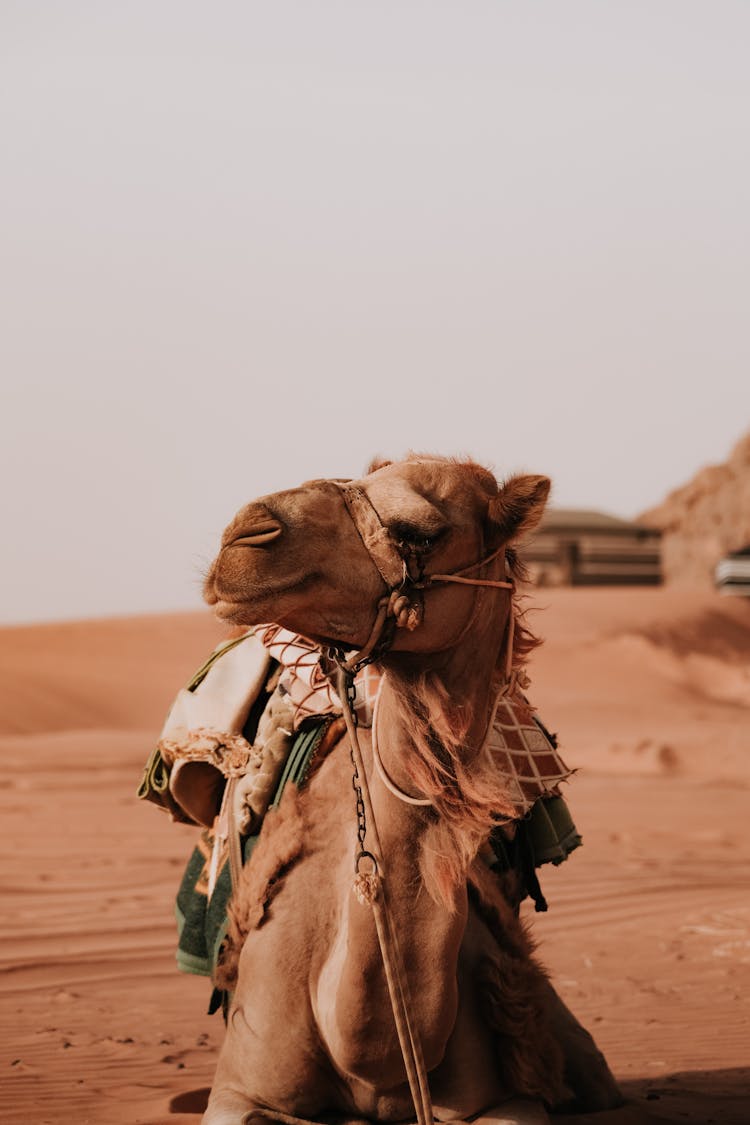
<point>519,504</point>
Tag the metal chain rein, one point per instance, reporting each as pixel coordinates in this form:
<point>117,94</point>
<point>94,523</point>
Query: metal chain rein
<point>370,889</point>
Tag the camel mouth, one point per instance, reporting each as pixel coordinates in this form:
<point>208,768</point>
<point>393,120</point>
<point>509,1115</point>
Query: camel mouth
<point>250,607</point>
<point>232,612</point>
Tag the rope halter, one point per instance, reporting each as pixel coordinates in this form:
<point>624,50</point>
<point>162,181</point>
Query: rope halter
<point>402,607</point>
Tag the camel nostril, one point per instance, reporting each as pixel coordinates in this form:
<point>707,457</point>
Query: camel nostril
<point>265,531</point>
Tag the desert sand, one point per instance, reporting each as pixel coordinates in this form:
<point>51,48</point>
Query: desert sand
<point>648,932</point>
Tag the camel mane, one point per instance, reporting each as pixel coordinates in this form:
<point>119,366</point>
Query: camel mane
<point>468,793</point>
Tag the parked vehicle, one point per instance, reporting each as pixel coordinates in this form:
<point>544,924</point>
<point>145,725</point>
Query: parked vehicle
<point>732,573</point>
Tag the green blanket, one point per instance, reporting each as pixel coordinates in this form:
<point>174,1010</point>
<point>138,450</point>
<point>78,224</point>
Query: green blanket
<point>202,922</point>
<point>546,834</point>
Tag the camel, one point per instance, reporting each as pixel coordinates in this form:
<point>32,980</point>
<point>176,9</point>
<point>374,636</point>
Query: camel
<point>414,566</point>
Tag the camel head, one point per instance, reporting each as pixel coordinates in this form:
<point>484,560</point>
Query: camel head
<point>297,558</point>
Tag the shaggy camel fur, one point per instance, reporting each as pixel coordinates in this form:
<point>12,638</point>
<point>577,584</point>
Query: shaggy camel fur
<point>310,1030</point>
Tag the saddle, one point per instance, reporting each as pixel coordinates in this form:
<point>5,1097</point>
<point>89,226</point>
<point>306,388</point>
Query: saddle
<point>250,721</point>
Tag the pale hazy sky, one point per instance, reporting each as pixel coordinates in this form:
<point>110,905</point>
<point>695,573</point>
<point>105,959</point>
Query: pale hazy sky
<point>243,244</point>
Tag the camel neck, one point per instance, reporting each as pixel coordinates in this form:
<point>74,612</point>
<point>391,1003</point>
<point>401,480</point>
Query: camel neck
<point>467,672</point>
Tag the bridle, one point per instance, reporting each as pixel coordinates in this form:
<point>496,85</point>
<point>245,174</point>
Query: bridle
<point>402,606</point>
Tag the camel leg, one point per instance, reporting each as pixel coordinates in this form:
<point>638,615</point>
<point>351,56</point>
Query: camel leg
<point>586,1072</point>
<point>517,1111</point>
<point>226,1107</point>
<point>628,1114</point>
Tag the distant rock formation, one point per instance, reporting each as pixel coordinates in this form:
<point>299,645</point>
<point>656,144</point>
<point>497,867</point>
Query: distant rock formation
<point>704,519</point>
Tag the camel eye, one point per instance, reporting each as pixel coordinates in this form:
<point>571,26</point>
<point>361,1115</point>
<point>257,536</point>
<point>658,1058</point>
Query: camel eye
<point>414,538</point>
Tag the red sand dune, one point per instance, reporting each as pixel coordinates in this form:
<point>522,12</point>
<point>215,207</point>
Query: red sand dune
<point>648,934</point>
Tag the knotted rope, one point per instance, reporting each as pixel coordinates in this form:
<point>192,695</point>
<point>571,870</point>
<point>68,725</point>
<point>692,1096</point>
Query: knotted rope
<point>370,888</point>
